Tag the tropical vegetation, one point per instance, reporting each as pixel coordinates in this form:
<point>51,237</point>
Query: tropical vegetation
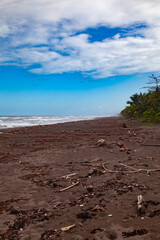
<point>145,106</point>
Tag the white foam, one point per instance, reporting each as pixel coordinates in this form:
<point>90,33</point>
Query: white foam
<point>23,121</point>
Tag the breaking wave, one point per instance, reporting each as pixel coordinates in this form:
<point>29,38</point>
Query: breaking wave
<point>23,121</point>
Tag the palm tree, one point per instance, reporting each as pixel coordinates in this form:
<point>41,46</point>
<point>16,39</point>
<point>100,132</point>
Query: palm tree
<point>134,99</point>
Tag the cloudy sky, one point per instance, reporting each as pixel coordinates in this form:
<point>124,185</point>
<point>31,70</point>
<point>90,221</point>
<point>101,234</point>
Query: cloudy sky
<point>76,57</point>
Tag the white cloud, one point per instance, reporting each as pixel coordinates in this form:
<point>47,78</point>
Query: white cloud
<point>44,32</point>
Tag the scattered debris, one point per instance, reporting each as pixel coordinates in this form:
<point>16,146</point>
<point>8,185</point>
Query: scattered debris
<point>140,205</point>
<point>123,148</point>
<point>150,202</point>
<point>154,213</point>
<point>134,233</point>
<point>101,142</point>
<point>100,184</point>
<point>143,205</point>
<point>66,188</point>
<point>64,229</point>
<point>23,218</point>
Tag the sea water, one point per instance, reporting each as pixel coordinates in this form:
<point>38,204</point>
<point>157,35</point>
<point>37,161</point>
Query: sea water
<point>23,121</point>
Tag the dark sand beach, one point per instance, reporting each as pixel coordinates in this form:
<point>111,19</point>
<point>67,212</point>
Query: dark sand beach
<point>57,176</point>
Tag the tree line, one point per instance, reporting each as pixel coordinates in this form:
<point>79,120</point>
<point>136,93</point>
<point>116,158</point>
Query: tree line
<point>145,106</point>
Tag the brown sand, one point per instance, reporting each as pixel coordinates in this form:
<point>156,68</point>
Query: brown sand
<point>36,163</point>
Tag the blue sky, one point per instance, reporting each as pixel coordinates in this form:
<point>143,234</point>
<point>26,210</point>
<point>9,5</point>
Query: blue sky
<point>71,57</point>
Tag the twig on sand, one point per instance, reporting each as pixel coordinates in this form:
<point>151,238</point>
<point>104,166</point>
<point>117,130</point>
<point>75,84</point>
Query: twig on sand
<point>69,175</point>
<point>64,229</point>
<point>141,169</point>
<point>133,170</point>
<point>96,160</point>
<point>106,169</point>
<point>66,188</point>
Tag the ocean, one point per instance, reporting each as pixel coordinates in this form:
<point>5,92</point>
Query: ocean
<point>23,121</point>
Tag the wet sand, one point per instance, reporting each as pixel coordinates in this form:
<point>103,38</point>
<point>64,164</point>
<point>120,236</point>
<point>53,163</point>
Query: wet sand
<point>59,175</point>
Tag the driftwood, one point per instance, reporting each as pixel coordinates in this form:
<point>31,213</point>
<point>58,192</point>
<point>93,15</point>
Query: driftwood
<point>66,188</point>
<point>141,169</point>
<point>64,229</point>
<point>133,170</point>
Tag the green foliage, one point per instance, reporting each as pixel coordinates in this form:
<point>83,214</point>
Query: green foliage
<point>145,106</point>
<point>151,115</point>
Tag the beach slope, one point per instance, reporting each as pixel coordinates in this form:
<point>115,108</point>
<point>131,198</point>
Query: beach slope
<point>86,180</point>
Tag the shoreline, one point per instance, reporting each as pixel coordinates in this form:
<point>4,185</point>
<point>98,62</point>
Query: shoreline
<point>55,176</point>
<point>50,124</point>
<point>29,121</point>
